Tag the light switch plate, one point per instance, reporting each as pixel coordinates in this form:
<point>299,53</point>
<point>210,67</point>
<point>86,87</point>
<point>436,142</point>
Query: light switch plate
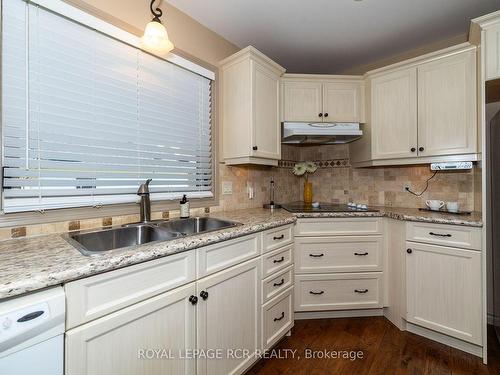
<point>227,187</point>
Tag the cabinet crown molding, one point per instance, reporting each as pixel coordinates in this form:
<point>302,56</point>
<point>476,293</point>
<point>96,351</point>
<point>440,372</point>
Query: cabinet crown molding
<point>255,54</point>
<point>320,77</point>
<point>487,20</point>
<point>428,57</point>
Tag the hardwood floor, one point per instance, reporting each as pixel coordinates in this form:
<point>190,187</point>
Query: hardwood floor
<point>386,350</point>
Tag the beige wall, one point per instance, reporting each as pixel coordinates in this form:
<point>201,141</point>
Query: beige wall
<point>187,34</point>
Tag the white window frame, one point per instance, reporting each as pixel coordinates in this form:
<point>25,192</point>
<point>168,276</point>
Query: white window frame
<point>79,213</point>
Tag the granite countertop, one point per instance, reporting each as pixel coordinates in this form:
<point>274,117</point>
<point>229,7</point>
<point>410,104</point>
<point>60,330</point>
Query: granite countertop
<point>38,262</point>
<point>406,214</point>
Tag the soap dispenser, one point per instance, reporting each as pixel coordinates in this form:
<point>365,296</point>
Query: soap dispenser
<point>184,203</point>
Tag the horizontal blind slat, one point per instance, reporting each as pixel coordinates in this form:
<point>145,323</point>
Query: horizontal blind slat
<point>103,117</point>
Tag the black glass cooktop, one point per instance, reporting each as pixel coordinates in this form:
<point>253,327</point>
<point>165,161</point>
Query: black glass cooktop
<point>323,207</point>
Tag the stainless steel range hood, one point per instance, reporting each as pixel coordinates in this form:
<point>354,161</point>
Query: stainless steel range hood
<point>319,133</point>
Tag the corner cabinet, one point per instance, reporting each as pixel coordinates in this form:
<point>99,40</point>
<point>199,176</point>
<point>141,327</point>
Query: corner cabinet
<point>422,110</point>
<point>251,131</point>
<point>322,98</point>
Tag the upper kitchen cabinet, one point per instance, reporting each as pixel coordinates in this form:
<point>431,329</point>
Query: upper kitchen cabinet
<point>485,32</point>
<point>322,98</point>
<point>420,111</point>
<point>251,132</point>
<point>394,114</point>
<point>447,105</point>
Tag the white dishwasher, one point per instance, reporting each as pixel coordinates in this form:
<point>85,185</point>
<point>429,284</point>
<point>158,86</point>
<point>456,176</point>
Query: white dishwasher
<point>32,334</point>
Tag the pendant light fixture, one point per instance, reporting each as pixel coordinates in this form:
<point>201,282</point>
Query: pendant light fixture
<point>155,38</point>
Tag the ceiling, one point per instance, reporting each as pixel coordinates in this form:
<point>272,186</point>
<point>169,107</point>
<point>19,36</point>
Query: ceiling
<point>332,36</point>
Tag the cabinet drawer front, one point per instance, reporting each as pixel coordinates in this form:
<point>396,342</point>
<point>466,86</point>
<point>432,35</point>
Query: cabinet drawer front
<point>338,292</point>
<point>275,284</point>
<point>96,296</point>
<point>217,257</point>
<point>338,254</point>
<point>276,260</point>
<point>277,237</point>
<point>277,318</point>
<point>338,227</point>
<point>447,235</point>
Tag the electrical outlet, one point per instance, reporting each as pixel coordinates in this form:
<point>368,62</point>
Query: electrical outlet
<point>406,188</point>
<point>227,187</point>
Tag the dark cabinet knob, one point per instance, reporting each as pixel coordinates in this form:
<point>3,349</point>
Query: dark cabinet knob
<point>255,148</point>
<point>278,237</point>
<point>316,293</point>
<point>316,255</point>
<point>421,149</point>
<point>279,260</point>
<point>204,295</point>
<point>409,251</point>
<point>280,283</point>
<point>281,317</point>
<point>361,291</point>
<point>413,149</point>
<point>193,300</point>
<point>326,114</point>
<point>320,115</point>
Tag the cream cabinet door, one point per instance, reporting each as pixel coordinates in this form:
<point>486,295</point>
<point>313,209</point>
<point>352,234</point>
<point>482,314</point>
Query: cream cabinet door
<point>266,132</point>
<point>302,101</point>
<point>343,102</point>
<point>444,290</point>
<point>394,114</point>
<point>492,52</point>
<point>228,318</point>
<point>123,343</point>
<point>447,119</point>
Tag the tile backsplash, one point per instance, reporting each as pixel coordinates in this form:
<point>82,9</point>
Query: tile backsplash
<point>334,181</point>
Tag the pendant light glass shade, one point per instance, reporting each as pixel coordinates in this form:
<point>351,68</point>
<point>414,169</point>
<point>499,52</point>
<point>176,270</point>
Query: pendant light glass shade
<point>155,39</point>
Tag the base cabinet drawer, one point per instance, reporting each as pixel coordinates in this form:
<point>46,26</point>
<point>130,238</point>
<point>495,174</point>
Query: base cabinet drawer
<point>277,283</point>
<point>446,235</point>
<point>338,291</point>
<point>217,257</point>
<point>277,237</point>
<point>93,297</point>
<point>338,226</point>
<point>277,260</point>
<point>338,254</point>
<point>277,318</point>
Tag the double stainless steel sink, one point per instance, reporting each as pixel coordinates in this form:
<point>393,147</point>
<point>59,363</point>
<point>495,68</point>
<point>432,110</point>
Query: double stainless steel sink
<point>96,242</point>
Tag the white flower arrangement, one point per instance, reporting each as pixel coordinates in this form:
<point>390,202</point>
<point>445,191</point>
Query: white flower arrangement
<point>304,169</point>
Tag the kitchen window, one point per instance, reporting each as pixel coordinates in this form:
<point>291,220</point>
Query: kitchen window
<point>86,117</point>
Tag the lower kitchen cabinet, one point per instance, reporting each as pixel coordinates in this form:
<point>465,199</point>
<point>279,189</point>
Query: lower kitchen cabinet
<point>341,291</point>
<point>277,318</point>
<point>228,318</point>
<point>124,342</point>
<point>444,290</point>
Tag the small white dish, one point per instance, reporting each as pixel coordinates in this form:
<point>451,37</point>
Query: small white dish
<point>434,205</point>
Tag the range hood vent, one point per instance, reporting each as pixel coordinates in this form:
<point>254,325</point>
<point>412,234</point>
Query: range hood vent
<point>319,133</point>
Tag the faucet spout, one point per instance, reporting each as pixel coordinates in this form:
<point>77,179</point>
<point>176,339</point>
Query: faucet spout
<point>145,202</point>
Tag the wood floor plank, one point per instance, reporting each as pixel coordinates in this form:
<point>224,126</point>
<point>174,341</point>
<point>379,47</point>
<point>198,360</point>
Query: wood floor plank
<point>386,350</point>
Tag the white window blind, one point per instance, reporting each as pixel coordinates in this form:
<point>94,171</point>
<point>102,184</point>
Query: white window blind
<point>87,118</point>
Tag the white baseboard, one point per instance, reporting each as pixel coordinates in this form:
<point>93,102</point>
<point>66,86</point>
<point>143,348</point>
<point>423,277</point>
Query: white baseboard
<point>445,339</point>
<point>301,315</point>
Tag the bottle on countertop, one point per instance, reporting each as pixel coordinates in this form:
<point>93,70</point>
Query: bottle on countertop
<point>184,204</point>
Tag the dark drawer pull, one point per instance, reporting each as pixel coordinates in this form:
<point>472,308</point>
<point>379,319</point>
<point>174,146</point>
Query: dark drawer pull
<point>316,293</point>
<point>439,234</point>
<point>361,254</point>
<point>361,290</point>
<point>280,283</point>
<point>281,317</point>
<point>30,316</point>
<point>279,260</point>
<point>316,255</point>
<point>279,237</point>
